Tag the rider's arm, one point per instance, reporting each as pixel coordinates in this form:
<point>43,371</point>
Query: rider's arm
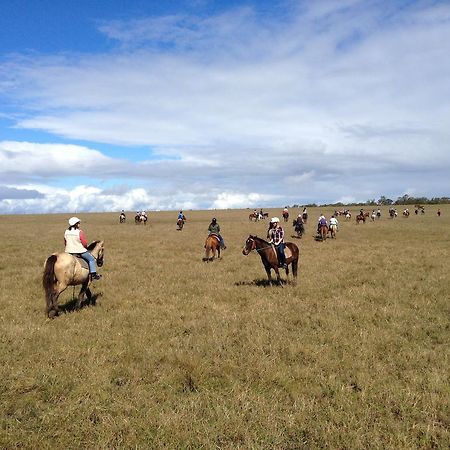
<point>83,239</point>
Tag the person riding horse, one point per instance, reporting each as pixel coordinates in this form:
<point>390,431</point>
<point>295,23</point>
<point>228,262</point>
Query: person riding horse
<point>214,228</point>
<point>299,226</point>
<point>322,221</point>
<point>275,234</point>
<point>76,243</point>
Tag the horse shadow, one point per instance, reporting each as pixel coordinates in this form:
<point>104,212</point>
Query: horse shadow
<point>71,305</point>
<point>260,282</point>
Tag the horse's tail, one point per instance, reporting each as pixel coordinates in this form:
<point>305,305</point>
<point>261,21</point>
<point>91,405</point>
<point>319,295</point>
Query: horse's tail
<point>49,280</point>
<point>295,257</point>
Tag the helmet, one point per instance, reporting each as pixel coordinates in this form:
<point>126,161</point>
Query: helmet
<point>73,221</point>
<point>274,219</point>
<point>214,219</point>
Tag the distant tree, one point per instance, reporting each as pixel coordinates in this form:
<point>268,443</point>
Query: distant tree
<point>371,201</point>
<point>385,201</point>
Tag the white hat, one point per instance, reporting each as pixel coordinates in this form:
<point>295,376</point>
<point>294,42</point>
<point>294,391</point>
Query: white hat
<point>274,219</point>
<point>73,221</point>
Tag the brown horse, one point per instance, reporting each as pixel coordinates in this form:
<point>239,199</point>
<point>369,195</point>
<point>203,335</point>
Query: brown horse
<point>180,223</point>
<point>62,270</point>
<point>269,256</point>
<point>212,247</point>
<point>140,218</point>
<point>360,218</point>
<point>323,232</point>
<point>299,227</point>
<point>285,216</point>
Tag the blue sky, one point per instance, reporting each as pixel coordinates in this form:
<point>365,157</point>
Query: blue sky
<point>110,105</point>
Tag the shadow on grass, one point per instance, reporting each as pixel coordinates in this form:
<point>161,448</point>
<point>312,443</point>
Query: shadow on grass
<point>70,306</point>
<point>261,282</point>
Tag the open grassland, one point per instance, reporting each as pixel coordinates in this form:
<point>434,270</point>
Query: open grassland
<point>178,353</point>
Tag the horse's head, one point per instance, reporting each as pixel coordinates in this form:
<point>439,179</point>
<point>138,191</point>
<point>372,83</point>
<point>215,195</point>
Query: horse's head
<point>249,245</point>
<point>97,250</point>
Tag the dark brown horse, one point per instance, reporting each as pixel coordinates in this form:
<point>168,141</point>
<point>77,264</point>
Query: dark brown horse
<point>360,218</point>
<point>62,270</point>
<point>269,256</point>
<point>180,223</point>
<point>299,227</point>
<point>212,247</point>
<point>285,216</point>
<point>323,232</point>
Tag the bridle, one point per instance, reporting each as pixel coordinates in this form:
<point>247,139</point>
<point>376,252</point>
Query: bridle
<point>254,246</point>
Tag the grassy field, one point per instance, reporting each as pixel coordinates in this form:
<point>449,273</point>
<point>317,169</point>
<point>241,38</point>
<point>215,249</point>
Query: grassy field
<point>182,354</point>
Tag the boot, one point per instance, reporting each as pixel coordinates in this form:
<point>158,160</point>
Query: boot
<point>95,276</point>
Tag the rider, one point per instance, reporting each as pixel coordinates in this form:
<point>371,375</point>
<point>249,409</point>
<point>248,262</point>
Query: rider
<point>299,223</point>
<point>275,234</point>
<point>334,222</point>
<point>322,221</point>
<point>214,228</point>
<point>181,216</point>
<point>76,243</point>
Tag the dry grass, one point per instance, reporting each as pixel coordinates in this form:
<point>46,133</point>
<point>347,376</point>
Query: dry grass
<point>179,353</point>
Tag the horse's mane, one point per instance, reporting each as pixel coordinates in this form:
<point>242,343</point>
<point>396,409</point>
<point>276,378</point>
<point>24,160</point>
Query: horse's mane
<point>259,239</point>
<point>92,245</point>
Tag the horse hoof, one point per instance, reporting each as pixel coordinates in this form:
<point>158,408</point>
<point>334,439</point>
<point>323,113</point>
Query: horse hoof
<point>52,314</point>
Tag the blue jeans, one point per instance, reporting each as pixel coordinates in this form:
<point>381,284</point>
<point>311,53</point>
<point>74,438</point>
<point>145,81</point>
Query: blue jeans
<point>281,255</point>
<point>90,260</point>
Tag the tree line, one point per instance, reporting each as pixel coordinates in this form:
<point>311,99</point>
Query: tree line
<point>386,201</point>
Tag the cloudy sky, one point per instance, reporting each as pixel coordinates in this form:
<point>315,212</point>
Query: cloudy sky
<point>145,104</point>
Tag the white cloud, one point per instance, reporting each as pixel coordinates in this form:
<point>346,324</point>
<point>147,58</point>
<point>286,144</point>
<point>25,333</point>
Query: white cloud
<point>338,100</point>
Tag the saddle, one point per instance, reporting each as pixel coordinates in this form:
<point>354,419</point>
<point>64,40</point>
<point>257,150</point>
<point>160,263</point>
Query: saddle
<point>83,263</point>
<point>214,235</point>
<point>287,251</point>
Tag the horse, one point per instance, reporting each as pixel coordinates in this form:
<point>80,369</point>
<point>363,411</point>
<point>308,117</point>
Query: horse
<point>373,215</point>
<point>360,218</point>
<point>348,215</point>
<point>332,230</point>
<point>62,270</point>
<point>305,217</point>
<point>269,257</point>
<point>265,215</point>
<point>140,218</point>
<point>180,223</point>
<point>323,231</point>
<point>285,216</point>
<point>122,218</point>
<point>212,246</point>
<point>253,216</point>
<point>298,227</point>
<point>392,213</point>
<point>406,213</point>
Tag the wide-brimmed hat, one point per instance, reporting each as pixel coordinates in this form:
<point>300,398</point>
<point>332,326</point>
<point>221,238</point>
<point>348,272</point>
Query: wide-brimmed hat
<point>274,219</point>
<point>73,221</point>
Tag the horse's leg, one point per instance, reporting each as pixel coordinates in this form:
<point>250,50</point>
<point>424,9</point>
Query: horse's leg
<point>53,308</point>
<point>294,271</point>
<point>89,295</point>
<point>80,298</point>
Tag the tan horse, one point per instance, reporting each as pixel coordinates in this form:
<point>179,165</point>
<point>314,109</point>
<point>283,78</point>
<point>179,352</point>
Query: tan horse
<point>332,230</point>
<point>212,247</point>
<point>62,270</point>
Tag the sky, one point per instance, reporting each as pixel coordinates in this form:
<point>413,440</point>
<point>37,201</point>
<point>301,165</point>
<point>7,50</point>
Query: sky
<point>166,105</point>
